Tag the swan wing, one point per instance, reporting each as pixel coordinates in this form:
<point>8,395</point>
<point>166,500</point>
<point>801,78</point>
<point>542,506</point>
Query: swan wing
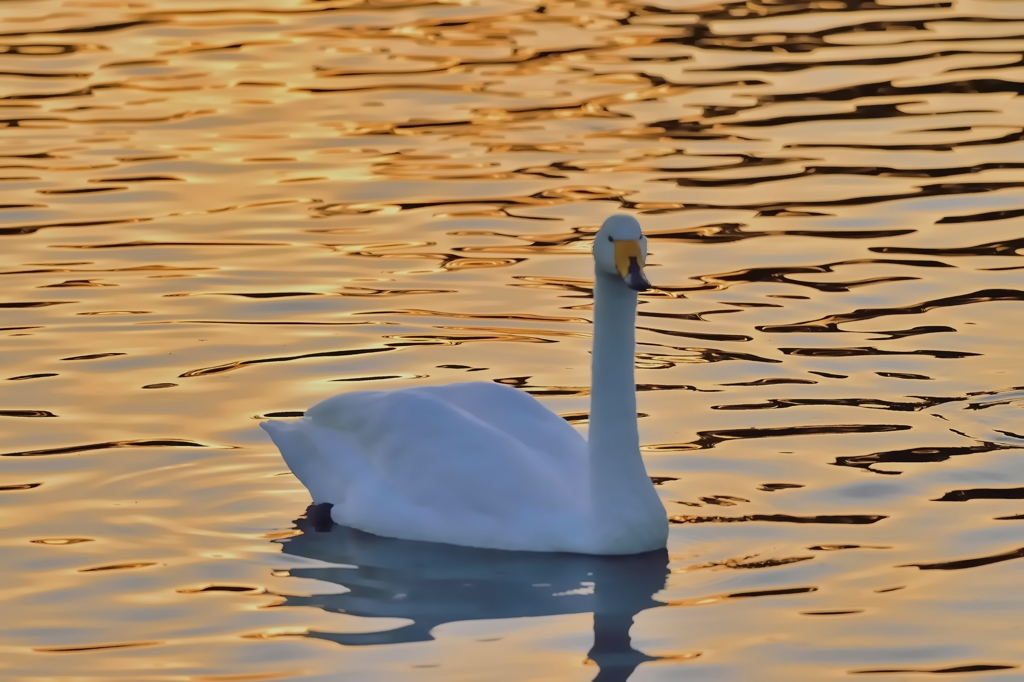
<point>517,414</point>
<point>434,462</point>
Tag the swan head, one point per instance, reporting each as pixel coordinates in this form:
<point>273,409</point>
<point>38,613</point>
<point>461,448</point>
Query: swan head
<point>620,251</point>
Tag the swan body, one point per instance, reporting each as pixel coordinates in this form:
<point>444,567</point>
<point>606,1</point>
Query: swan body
<point>486,465</point>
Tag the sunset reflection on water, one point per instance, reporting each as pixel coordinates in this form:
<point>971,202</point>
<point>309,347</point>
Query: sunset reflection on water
<point>217,213</point>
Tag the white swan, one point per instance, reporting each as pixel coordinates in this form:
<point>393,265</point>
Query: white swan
<point>486,465</point>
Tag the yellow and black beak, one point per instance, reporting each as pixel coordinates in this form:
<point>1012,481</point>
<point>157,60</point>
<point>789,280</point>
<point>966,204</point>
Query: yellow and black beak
<point>629,261</point>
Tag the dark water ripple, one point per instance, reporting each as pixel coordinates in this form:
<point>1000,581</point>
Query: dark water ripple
<point>298,189</point>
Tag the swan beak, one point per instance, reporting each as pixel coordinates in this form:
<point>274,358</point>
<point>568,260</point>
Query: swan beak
<point>629,261</point>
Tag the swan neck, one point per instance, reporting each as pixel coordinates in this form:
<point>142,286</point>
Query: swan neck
<point>614,440</point>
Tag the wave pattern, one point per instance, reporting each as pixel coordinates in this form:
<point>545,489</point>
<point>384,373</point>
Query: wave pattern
<point>297,188</point>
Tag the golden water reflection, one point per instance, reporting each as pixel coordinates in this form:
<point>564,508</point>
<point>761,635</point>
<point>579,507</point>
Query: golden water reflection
<point>216,213</point>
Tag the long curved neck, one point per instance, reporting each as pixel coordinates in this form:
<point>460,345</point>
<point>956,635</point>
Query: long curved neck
<point>614,441</point>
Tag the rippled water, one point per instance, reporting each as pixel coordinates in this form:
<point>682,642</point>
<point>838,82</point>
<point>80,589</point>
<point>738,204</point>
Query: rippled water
<point>216,211</point>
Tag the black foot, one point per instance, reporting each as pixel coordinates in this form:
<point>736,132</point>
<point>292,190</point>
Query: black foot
<point>319,516</point>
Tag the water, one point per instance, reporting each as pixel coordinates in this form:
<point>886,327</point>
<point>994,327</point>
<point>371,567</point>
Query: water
<point>214,212</point>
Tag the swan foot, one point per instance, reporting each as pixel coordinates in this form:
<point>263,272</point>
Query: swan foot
<point>319,517</point>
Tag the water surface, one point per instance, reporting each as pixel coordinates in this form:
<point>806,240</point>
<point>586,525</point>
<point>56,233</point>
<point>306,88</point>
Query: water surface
<point>215,212</point>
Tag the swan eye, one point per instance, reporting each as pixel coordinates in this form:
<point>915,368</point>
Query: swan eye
<point>610,238</point>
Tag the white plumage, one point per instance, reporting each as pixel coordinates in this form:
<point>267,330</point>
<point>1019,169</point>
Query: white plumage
<point>486,465</point>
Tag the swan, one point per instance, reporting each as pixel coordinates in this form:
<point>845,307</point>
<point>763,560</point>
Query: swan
<point>485,465</point>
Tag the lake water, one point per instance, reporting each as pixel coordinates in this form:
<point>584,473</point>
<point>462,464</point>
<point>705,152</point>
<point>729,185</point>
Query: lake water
<point>214,211</point>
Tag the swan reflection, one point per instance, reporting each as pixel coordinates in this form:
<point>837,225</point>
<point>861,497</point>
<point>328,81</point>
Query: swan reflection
<point>433,584</point>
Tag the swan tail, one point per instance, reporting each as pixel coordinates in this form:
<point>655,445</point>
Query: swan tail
<point>323,473</point>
